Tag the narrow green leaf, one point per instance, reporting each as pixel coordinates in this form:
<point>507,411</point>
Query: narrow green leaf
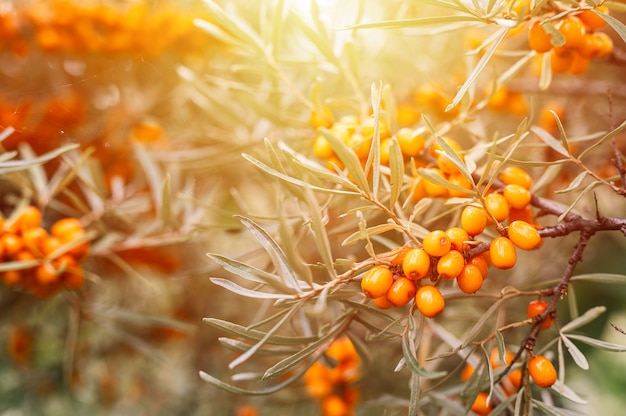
<point>433,177</point>
<point>36,171</point>
<point>568,393</point>
<point>578,197</point>
<point>242,291</point>
<point>478,326</point>
<point>455,159</point>
<point>601,278</point>
<point>548,139</point>
<point>500,344</point>
<point>618,26</point>
<point>319,231</point>
<point>478,69</point>
<point>348,158</point>
<point>412,362</point>
<point>545,77</point>
<point>572,302</point>
<point>416,22</point>
<point>604,138</point>
<point>374,230</point>
<point>19,265</point>
<point>574,183</point>
<point>577,355</point>
<point>15,165</point>
<point>396,167</point>
<point>234,26</point>
<point>587,317</point>
<point>548,409</point>
<point>253,334</point>
<point>557,39</point>
<point>608,346</point>
<point>273,250</point>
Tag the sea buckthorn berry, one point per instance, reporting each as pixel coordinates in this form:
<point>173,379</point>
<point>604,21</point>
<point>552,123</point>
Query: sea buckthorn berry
<point>502,253</point>
<point>574,31</point>
<point>436,243</point>
<point>399,258</point>
<point>458,236</point>
<point>513,174</point>
<point>429,301</point>
<point>410,143</point>
<point>334,405</point>
<point>66,229</point>
<point>73,277</point>
<point>383,303</point>
<point>579,65</point>
<point>385,151</point>
<point>524,235</point>
<point>480,405</point>
<point>416,263</point>
<point>11,277</point>
<point>536,308</point>
<point>473,219</point>
<point>450,264</point>
<point>561,62</point>
<point>512,382</point>
<point>539,39</point>
<point>321,117</point>
<point>542,371</point>
<point>497,206</point>
<point>401,292</point>
<point>494,358</point>
<point>50,244</point>
<point>470,280</point>
<point>596,45</point>
<point>524,214</point>
<point>30,217</point>
<point>467,372</point>
<point>445,164</point>
<point>322,148</point>
<point>517,196</point>
<point>35,239</point>
<point>481,263</point>
<point>418,190</point>
<point>376,281</point>
<point>591,20</point>
<point>12,244</point>
<point>360,145</point>
<point>461,181</point>
<point>433,189</point>
<point>45,274</point>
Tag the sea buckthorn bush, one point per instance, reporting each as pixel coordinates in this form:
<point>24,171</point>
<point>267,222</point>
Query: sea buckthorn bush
<point>312,207</point>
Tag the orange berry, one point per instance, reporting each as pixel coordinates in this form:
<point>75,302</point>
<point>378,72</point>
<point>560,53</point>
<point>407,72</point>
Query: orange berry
<point>561,62</point>
<point>470,280</point>
<point>30,217</point>
<point>467,372</point>
<point>410,143</point>
<point>11,277</point>
<point>418,190</point>
<point>35,239</point>
<point>458,179</point>
<point>385,151</point>
<point>458,236</point>
<point>73,278</point>
<point>480,405</point>
<point>480,262</point>
<point>579,65</point>
<point>497,206</point>
<point>12,244</point>
<point>433,189</point>
<point>473,219</point>
<point>399,258</point>
<point>435,148</point>
<point>574,31</point>
<point>445,164</point>
<point>596,45</point>
<point>321,117</point>
<point>429,301</point>
<point>591,20</point>
<point>538,39</point>
<point>334,405</point>
<point>436,243</point>
<point>524,235</point>
<point>416,263</point>
<point>542,371</point>
<point>513,174</point>
<point>524,214</point>
<point>513,382</point>
<point>45,274</point>
<point>66,229</point>
<point>502,253</point>
<point>383,303</point>
<point>450,264</point>
<point>322,148</point>
<point>401,291</point>
<point>536,308</point>
<point>376,281</point>
<point>50,244</point>
<point>494,358</point>
<point>517,196</point>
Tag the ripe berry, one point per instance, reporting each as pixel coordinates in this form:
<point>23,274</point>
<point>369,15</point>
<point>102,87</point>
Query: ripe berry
<point>376,281</point>
<point>436,243</point>
<point>30,217</point>
<point>401,291</point>
<point>591,20</point>
<point>538,39</point>
<point>579,64</point>
<point>429,301</point>
<point>434,189</point>
<point>383,303</point>
<point>542,371</point>
<point>435,148</point>
<point>450,264</point>
<point>513,174</point>
<point>12,244</point>
<point>334,405</point>
<point>458,237</point>
<point>497,206</point>
<point>596,45</point>
<point>574,31</point>
<point>502,253</point>
<point>45,274</point>
<point>461,181</point>
<point>560,62</point>
<point>467,372</point>
<point>480,405</point>
<point>536,308</point>
<point>481,262</point>
<point>517,196</point>
<point>418,190</point>
<point>410,143</point>
<point>322,148</point>
<point>470,280</point>
<point>513,382</point>
<point>473,219</point>
<point>524,214</point>
<point>524,235</point>
<point>416,263</point>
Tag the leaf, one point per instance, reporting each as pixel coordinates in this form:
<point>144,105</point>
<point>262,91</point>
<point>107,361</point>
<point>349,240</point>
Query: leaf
<point>319,231</point>
<point>455,159</point>
<point>417,22</point>
<point>253,334</point>
<point>578,197</point>
<point>374,230</point>
<point>604,138</point>
<point>396,167</point>
<point>473,332</point>
<point>433,177</point>
<point>584,319</point>
<point>477,70</point>
<point>601,278</point>
<point>549,409</point>
<point>500,344</point>
<point>250,273</point>
<point>568,393</point>
<point>234,26</point>
<point>557,39</point>
<point>412,362</point>
<point>618,26</point>
<point>548,139</point>
<point>545,78</point>
<point>19,265</point>
<point>608,346</point>
<point>274,250</point>
<point>240,290</point>
<point>574,183</point>
<point>577,355</point>
<point>348,158</point>
<point>15,165</point>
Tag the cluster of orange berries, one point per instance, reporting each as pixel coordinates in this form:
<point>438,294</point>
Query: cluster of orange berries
<point>70,26</point>
<point>333,385</point>
<point>52,258</point>
<point>583,41</point>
